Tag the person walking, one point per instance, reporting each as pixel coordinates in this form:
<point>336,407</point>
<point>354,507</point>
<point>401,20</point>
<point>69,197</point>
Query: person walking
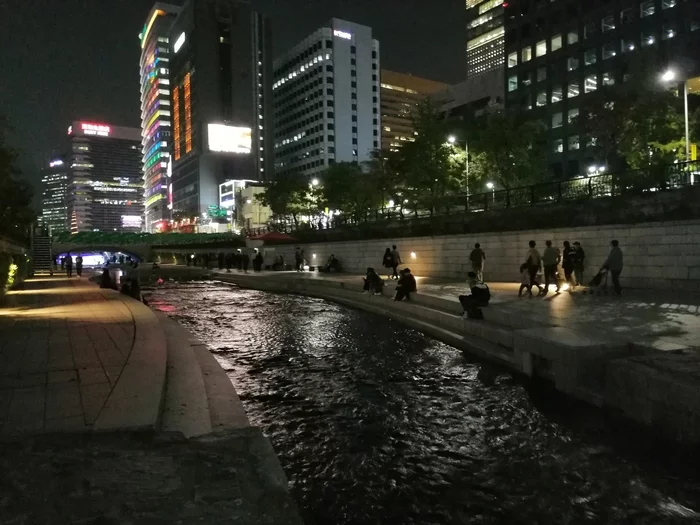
<point>568,263</point>
<point>79,265</point>
<point>614,265</point>
<point>533,262</point>
<point>388,262</point>
<point>477,257</point>
<point>579,263</point>
<point>69,265</point>
<point>395,261</point>
<point>550,261</point>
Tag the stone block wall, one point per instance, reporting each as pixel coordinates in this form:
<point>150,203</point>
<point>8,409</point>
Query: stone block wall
<point>658,255</point>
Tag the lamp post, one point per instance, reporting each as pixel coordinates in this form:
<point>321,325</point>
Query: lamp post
<point>452,139</point>
<point>492,187</point>
<point>670,76</point>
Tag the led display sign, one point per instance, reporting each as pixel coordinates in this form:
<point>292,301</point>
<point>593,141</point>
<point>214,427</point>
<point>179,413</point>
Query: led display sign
<point>131,221</point>
<point>178,43</point>
<point>95,129</point>
<point>342,34</point>
<point>230,139</point>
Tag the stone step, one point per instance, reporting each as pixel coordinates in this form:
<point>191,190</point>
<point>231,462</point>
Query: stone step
<point>185,407</point>
<point>136,399</point>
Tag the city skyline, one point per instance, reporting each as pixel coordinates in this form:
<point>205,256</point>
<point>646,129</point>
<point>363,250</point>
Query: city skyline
<point>81,63</point>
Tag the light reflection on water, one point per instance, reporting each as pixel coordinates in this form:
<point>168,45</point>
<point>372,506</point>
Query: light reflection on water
<point>377,423</point>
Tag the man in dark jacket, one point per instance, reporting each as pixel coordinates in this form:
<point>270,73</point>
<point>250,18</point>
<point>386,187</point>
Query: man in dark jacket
<point>406,285</point>
<point>373,283</point>
<point>478,298</point>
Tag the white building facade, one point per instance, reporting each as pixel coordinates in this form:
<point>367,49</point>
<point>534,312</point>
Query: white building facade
<point>326,99</point>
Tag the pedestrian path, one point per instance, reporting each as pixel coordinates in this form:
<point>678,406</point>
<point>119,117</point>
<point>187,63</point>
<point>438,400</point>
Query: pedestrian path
<point>74,358</point>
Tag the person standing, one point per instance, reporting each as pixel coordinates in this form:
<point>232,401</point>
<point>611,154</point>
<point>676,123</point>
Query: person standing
<point>298,259</point>
<point>477,257</point>
<point>395,261</point>
<point>220,260</point>
<point>388,262</point>
<point>550,261</point>
<point>245,261</point>
<point>79,265</point>
<point>568,263</point>
<point>614,265</point>
<point>579,263</point>
<point>69,265</point>
<point>533,262</point>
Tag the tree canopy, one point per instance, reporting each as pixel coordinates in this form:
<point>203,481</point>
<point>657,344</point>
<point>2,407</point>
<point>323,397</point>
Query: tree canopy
<point>16,212</point>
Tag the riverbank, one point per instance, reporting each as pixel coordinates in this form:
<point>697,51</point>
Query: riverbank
<point>124,416</point>
<point>632,356</point>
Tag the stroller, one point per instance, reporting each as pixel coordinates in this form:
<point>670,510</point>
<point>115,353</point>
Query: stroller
<point>599,283</point>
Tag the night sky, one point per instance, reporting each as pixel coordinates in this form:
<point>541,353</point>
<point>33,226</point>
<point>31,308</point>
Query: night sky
<point>62,60</point>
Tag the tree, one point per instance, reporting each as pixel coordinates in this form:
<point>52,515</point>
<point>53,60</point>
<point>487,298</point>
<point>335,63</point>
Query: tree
<point>287,196</point>
<point>345,186</point>
<point>16,212</point>
<point>509,151</point>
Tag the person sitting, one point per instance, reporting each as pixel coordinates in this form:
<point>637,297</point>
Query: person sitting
<point>155,265</point>
<point>106,280</point>
<point>479,297</point>
<point>406,285</point>
<point>373,283</point>
<point>332,264</point>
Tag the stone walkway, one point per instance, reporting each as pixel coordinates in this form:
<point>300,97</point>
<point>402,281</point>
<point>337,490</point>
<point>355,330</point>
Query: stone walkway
<point>664,321</point>
<point>64,345</point>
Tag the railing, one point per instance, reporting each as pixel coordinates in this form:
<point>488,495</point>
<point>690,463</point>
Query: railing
<point>643,181</point>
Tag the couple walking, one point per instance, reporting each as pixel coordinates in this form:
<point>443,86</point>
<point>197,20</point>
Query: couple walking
<point>392,259</point>
<point>571,260</point>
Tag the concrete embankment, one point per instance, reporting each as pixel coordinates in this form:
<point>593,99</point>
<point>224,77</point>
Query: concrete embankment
<point>638,381</point>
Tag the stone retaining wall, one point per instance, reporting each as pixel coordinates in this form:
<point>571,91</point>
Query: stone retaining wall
<point>657,255</point>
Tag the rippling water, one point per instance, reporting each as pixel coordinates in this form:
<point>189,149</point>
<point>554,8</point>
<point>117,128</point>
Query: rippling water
<point>376,423</point>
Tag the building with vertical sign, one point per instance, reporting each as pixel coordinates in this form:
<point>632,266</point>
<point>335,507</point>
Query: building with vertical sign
<point>327,99</point>
<point>220,71</point>
<point>105,185</point>
<point>54,193</point>
<point>156,114</point>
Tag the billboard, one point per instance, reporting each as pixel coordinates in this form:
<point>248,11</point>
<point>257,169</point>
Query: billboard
<point>230,139</point>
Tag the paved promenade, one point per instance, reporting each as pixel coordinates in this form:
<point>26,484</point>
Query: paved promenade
<point>65,345</point>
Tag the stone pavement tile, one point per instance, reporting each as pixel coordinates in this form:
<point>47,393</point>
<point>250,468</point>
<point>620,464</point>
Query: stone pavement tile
<point>22,381</point>
<point>66,424</point>
<point>110,356</point>
<point>92,376</point>
<point>95,394</point>
<point>27,406</point>
<point>35,359</point>
<point>5,399</point>
<point>62,376</point>
<point>113,373</point>
<point>63,400</point>
<point>85,356</point>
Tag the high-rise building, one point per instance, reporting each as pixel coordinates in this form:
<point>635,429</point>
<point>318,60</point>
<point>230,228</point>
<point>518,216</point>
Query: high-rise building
<point>326,99</point>
<point>54,191</point>
<point>156,114</point>
<point>220,77</point>
<point>485,33</point>
<point>400,94</point>
<point>560,53</point>
<point>105,187</point>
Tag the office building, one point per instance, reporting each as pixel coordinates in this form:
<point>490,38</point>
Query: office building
<point>399,95</point>
<point>485,34</point>
<point>326,99</point>
<point>560,53</point>
<point>156,115</point>
<point>220,80</point>
<point>105,186</point>
<point>54,191</point>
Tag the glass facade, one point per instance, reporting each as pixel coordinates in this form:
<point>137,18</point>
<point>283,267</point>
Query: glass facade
<point>54,192</point>
<point>156,115</point>
<point>485,33</point>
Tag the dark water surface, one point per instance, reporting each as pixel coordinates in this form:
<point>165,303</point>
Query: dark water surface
<point>376,423</point>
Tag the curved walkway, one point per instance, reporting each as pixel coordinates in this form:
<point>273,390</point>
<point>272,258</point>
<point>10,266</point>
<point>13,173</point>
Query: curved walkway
<point>74,358</point>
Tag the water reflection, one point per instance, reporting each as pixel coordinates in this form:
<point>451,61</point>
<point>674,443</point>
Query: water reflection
<point>377,423</point>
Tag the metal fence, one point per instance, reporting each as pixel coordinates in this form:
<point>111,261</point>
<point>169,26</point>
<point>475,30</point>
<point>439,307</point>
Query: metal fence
<point>633,182</point>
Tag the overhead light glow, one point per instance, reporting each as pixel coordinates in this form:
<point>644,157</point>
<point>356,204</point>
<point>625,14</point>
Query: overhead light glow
<point>178,43</point>
<point>55,163</point>
<point>342,34</point>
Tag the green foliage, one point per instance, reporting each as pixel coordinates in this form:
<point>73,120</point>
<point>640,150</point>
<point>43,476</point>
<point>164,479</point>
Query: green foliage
<point>288,195</point>
<point>16,212</point>
<point>346,187</point>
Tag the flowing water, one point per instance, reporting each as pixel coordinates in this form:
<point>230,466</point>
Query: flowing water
<point>376,423</point>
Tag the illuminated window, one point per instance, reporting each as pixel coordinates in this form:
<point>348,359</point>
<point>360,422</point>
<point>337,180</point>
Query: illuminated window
<point>526,54</point>
<point>666,4</point>
<point>541,73</point>
<point>573,90</point>
<point>556,42</point>
<point>513,59</point>
<point>573,142</point>
<point>572,36</point>
<point>572,64</point>
<point>589,57</point>
<point>541,48</point>
<point>608,23</point>
<point>558,145</point>
<point>647,8</point>
<point>609,51</point>
<point>608,79</point>
<point>573,115</point>
<point>512,83</point>
<point>627,45</point>
<point>668,30</point>
<point>556,94</point>
<point>188,115</point>
<point>648,38</point>
<point>176,122</point>
<point>541,99</point>
<point>590,83</point>
<point>556,120</point>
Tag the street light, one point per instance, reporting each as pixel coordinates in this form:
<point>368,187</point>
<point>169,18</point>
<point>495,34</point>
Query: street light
<point>669,76</point>
<point>491,186</point>
<point>314,182</point>
<point>451,139</point>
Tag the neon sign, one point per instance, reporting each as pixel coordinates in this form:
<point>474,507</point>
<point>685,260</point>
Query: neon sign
<point>178,43</point>
<point>342,34</point>
<point>95,129</point>
<point>55,163</point>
